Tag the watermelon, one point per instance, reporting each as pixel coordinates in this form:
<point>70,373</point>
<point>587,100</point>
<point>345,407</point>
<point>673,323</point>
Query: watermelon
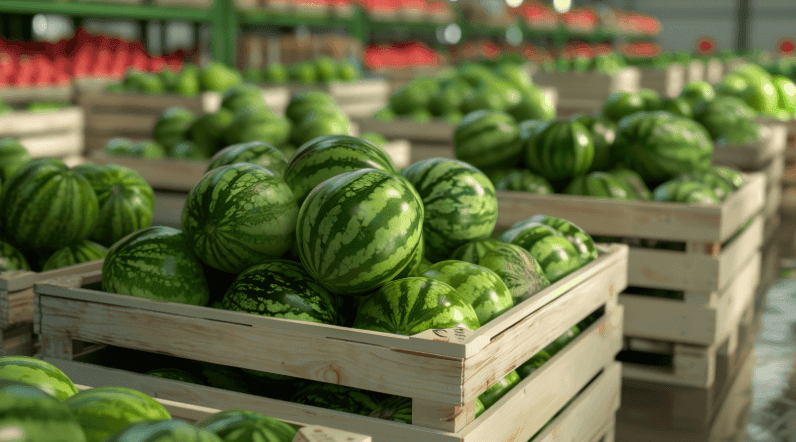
<point>517,268</point>
<point>26,415</point>
<point>42,375</point>
<point>459,203</point>
<point>339,398</point>
<point>46,206</point>
<point>533,364</point>
<point>188,151</point>
<point>621,104</point>
<point>685,191</point>
<point>126,201</point>
<point>413,305</point>
<point>562,341</point>
<point>721,115</point>
<point>723,182</point>
<point>257,124</point>
<point>414,263</point>
<point>83,251</point>
<point>119,146</point>
<point>303,102</point>
<point>424,264</point>
<point>13,156</point>
<point>499,389</point>
<point>171,430</point>
<point>11,258</point>
<point>256,152</point>
<point>155,263</point>
<point>535,104</point>
<point>478,286</point>
<point>242,97</point>
<point>559,246</point>
<point>103,411</point>
<point>148,150</point>
<point>678,106</point>
<point>374,139</point>
<point>603,132</point>
<point>633,182</point>
<point>265,429</point>
<point>479,407</point>
<point>224,422</point>
<point>396,409</point>
<point>239,216</point>
<point>320,122</point>
<point>281,289</point>
<point>172,126</point>
<point>524,181</point>
<point>599,185</point>
<point>175,374</point>
<point>697,92</point>
<point>472,251</point>
<point>224,377</point>
<point>559,150</point>
<point>358,230</point>
<point>329,156</point>
<point>207,131</point>
<point>487,139</point>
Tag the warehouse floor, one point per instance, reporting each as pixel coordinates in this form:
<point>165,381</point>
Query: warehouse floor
<point>773,416</point>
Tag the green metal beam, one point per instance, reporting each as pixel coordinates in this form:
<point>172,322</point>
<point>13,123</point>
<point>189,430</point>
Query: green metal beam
<point>104,10</point>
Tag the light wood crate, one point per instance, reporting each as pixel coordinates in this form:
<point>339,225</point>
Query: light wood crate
<point>668,82</point>
<point>22,95</point>
<point>714,71</point>
<point>57,133</point>
<point>593,86</point>
<point>728,425</point>
<point>695,71</point>
<point>16,305</point>
<point>765,155</point>
<point>443,371</point>
<point>357,99</point>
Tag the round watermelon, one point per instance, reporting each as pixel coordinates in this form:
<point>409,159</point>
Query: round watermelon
<point>633,181</point>
<point>126,201</point>
<point>265,429</point>
<point>329,156</point>
<point>415,262</point>
<point>239,216</point>
<point>156,263</point>
<point>479,407</point>
<point>122,147</point>
<point>103,411</point>
<point>459,203</point>
<point>302,103</point>
<point>256,152</point>
<point>560,150</point>
<point>396,409</point>
<point>148,150</point>
<point>77,253</point>
<point>472,251</point>
<point>696,92</point>
<point>223,422</point>
<point>559,246</point>
<point>487,139</point>
<point>499,389</point>
<point>723,182</point>
<point>422,267</point>
<point>172,126</point>
<point>478,286</point>
<point>11,258</point>
<point>207,131</point>
<point>678,106</point>
<point>338,398</point>
<point>257,124</point>
<point>685,191</point>
<point>533,364</point>
<point>13,156</point>
<point>517,268</point>
<point>599,185</point>
<point>603,132</point>
<point>281,289</point>
<point>22,390</point>
<point>175,374</point>
<point>318,123</point>
<point>524,181</point>
<point>188,151</point>
<point>241,97</point>
<point>562,341</point>
<point>171,430</point>
<point>621,104</point>
<point>358,230</point>
<point>535,104</point>
<point>413,305</point>
<point>42,375</point>
<point>27,414</point>
<point>45,206</point>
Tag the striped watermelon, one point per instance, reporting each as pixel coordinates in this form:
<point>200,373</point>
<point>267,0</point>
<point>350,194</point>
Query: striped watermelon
<point>239,216</point>
<point>533,364</point>
<point>103,411</point>
<point>339,398</point>
<point>265,429</point>
<point>487,139</point>
<point>422,267</point>
<point>722,180</point>
<point>21,389</point>
<point>27,414</point>
<point>633,182</point>
<point>329,156</point>
<point>188,151</point>
<point>175,374</point>
<point>599,185</point>
<point>223,422</point>
<point>524,181</point>
<point>413,305</point>
<point>459,202</point>
<point>281,289</point>
<point>13,156</point>
<point>172,126</point>
<point>42,375</point>
<point>171,430</point>
<point>11,258</point>
<point>396,408</point>
<point>417,259</point>
<point>256,152</point>
<point>684,191</point>
<point>224,377</point>
<point>499,389</point>
<point>473,251</point>
<point>517,268</point>
<point>126,201</point>
<point>561,150</point>
<point>77,253</point>
<point>559,246</point>
<point>478,286</point>
<point>358,230</point>
<point>46,206</point>
<point>155,263</point>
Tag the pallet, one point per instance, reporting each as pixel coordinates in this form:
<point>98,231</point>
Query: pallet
<point>443,371</point>
<point>16,305</point>
<point>667,82</point>
<point>358,99</point>
<point>47,134</point>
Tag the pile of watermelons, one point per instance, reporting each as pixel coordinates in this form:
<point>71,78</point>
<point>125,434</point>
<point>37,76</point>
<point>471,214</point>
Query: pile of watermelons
<point>605,64</point>
<point>34,107</point>
<point>505,87</point>
<point>52,216</point>
<point>188,82</point>
<point>321,70</point>
<point>243,117</point>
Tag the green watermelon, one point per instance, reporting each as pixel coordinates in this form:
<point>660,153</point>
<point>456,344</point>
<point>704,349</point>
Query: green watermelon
<point>723,182</point>
<point>459,203</point>
<point>447,99</point>
<point>224,422</point>
<point>486,139</point>
<point>242,97</point>
<point>652,100</point>
<point>257,124</point>
<point>599,185</point>
<point>697,92</point>
<point>187,150</point>
<point>413,305</point>
<point>13,156</point>
<point>120,147</point>
<point>172,126</point>
<point>42,375</point>
<point>358,230</point>
<point>77,253</point>
<point>422,267</point>
<point>281,289</point>
<point>603,132</point>
<point>339,398</point>
<point>207,131</point>
<point>534,105</point>
<point>175,374</point>
<point>171,430</point>
<point>684,191</point>
<point>533,364</point>
<point>559,150</point>
<point>374,139</point>
<point>678,106</point>
<point>320,122</point>
<point>721,115</point>
<point>155,263</point>
<point>126,201</point>
<point>219,221</point>
<point>329,156</point>
<point>384,114</point>
<point>256,152</point>
<point>264,429</point>
<point>416,261</point>
<point>224,377</point>
<point>45,206</point>
<point>479,407</point>
<point>11,258</point>
<point>633,182</point>
<point>554,347</point>
<point>517,268</point>
<point>559,246</point>
<point>472,251</point>
<point>478,286</point>
<point>621,104</point>
<point>302,103</point>
<point>148,150</point>
<point>103,411</point>
<point>786,93</point>
<point>26,415</point>
<point>396,409</point>
<point>499,389</point>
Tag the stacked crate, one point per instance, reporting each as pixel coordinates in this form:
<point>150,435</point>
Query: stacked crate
<point>586,91</point>
<point>58,133</point>
<point>667,82</point>
<point>442,371</point>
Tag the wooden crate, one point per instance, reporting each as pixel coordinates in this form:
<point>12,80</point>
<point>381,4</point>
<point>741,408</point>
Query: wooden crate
<point>16,305</point>
<point>22,95</point>
<point>359,99</point>
<point>757,156</point>
<point>695,71</point>
<point>668,82</point>
<point>592,86</point>
<point>714,71</point>
<point>443,371</point>
<point>47,134</point>
<point>727,425</point>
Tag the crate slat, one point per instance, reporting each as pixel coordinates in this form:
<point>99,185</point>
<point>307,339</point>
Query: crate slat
<point>667,82</point>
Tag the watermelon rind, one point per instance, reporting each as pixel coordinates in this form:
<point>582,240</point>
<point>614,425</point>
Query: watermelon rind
<point>27,417</point>
<point>171,430</point>
<point>40,374</point>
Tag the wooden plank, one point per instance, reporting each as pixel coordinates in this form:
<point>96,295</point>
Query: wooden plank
<point>22,95</point>
<point>695,71</point>
<point>667,82</point>
<point>439,132</point>
<point>54,145</point>
<point>164,174</point>
<point>123,123</point>
<point>21,124</point>
<point>589,85</point>
<point>17,340</point>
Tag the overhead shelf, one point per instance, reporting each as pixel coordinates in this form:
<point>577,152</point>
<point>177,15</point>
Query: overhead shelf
<point>105,10</point>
